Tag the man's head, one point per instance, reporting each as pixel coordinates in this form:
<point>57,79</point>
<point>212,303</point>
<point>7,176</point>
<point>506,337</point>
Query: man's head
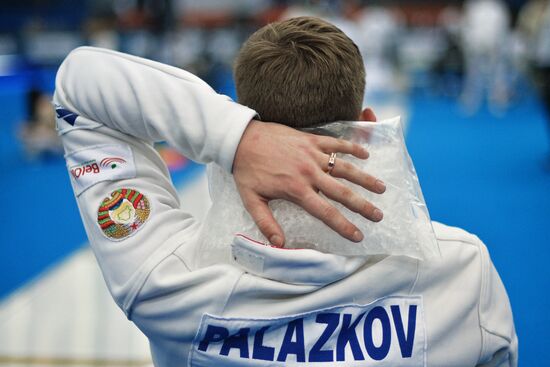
<point>301,72</point>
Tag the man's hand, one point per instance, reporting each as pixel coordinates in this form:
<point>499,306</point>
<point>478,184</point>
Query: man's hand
<point>277,162</point>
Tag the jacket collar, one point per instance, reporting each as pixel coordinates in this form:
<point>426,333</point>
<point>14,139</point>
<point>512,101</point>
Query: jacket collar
<point>294,266</point>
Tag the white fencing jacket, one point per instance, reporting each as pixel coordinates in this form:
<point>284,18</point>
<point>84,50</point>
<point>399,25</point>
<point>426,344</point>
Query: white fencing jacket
<point>270,306</point>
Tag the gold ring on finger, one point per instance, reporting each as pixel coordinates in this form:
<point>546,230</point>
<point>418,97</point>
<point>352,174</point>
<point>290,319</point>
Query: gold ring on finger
<point>331,162</point>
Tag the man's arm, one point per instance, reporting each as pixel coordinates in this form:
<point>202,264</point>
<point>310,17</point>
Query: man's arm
<point>153,102</point>
<point>500,342</point>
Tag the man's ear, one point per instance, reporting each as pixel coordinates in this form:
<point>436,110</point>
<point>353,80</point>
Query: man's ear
<point>367,115</point>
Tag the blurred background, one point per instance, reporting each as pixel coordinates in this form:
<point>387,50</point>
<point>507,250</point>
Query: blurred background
<point>470,78</point>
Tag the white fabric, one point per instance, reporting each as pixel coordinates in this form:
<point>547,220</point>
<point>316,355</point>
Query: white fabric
<point>460,302</point>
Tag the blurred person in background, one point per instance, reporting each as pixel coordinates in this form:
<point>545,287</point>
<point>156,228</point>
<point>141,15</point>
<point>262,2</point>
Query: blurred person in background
<point>485,40</point>
<point>271,306</point>
<point>534,23</point>
<point>449,66</point>
<point>38,133</point>
<point>101,26</point>
<point>380,29</point>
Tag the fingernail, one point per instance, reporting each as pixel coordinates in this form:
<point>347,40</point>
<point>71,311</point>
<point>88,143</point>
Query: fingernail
<point>380,186</point>
<point>357,236</point>
<point>366,153</point>
<point>377,215</point>
<point>276,240</point>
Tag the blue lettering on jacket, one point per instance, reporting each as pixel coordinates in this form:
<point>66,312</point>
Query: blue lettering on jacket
<point>214,334</point>
<point>295,327</point>
<point>377,352</point>
<point>347,336</point>
<point>261,351</point>
<point>317,354</point>
<point>389,330</point>
<point>405,342</point>
<point>238,341</point>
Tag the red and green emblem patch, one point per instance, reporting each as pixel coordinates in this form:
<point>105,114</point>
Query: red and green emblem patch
<point>123,213</point>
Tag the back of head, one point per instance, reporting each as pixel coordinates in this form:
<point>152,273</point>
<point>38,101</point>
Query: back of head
<point>301,72</point>
<point>304,72</point>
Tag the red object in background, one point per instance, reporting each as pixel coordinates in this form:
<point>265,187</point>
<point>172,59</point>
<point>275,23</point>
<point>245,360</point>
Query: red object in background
<point>173,159</point>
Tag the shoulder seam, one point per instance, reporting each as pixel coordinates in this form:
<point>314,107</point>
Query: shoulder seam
<point>230,293</point>
<point>180,259</point>
<point>481,292</point>
<point>143,273</point>
<point>413,286</point>
<point>464,241</point>
<point>128,310</point>
<point>496,334</point>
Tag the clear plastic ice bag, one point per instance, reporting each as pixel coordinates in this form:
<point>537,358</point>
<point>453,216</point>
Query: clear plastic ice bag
<point>405,230</point>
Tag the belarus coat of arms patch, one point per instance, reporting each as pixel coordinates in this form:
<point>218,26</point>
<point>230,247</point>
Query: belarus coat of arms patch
<point>123,213</point>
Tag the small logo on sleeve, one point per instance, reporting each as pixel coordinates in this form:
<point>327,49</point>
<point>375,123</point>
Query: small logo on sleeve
<point>92,167</point>
<point>112,162</point>
<point>65,114</point>
<point>123,213</point>
<point>85,168</point>
<point>100,163</point>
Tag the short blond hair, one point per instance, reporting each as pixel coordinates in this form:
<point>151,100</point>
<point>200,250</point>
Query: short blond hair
<point>301,72</point>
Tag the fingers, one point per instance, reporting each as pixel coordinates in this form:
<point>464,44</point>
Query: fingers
<point>332,145</point>
<point>262,216</point>
<point>339,192</point>
<point>351,173</point>
<point>328,214</point>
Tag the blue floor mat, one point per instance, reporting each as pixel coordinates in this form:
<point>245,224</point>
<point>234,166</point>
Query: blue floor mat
<point>489,176</point>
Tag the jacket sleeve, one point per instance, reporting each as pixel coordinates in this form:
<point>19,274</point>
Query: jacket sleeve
<point>500,342</point>
<point>152,101</point>
<point>110,108</point>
